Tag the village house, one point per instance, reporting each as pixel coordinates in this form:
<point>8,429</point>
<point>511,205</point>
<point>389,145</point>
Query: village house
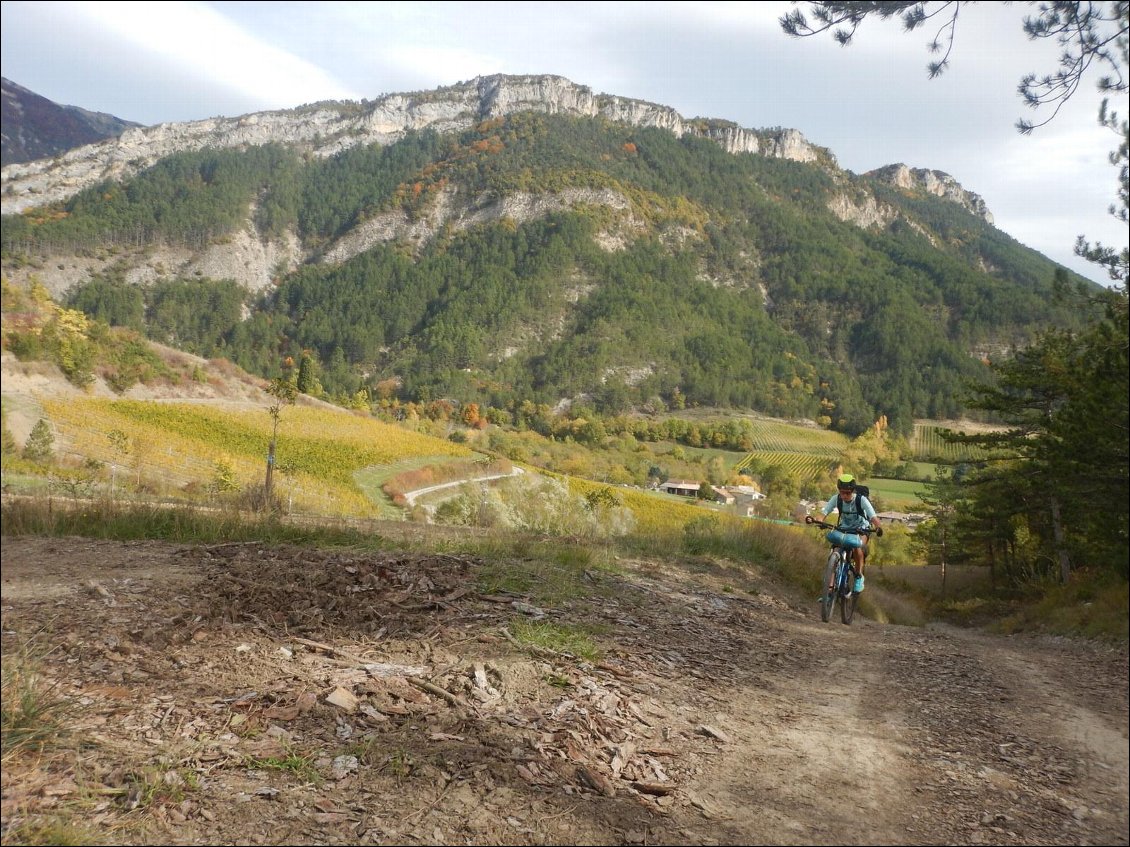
<point>681,487</point>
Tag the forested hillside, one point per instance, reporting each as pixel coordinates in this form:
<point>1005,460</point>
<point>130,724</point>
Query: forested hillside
<point>713,279</point>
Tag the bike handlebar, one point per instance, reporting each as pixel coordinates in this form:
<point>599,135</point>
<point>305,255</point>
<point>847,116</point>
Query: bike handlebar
<point>867,530</point>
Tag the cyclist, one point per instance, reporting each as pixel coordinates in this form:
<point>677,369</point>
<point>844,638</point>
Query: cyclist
<point>855,512</point>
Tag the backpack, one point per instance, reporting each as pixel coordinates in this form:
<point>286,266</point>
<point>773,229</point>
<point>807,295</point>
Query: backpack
<point>860,491</point>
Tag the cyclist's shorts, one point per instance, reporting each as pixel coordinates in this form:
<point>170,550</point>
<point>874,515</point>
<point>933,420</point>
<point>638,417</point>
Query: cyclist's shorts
<point>844,539</point>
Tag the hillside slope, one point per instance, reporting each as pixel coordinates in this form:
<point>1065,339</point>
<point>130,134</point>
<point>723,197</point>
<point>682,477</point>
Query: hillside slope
<point>519,239</point>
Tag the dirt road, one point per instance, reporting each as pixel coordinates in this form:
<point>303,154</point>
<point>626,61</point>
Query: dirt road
<point>242,694</point>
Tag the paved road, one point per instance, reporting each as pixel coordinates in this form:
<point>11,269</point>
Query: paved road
<point>410,496</point>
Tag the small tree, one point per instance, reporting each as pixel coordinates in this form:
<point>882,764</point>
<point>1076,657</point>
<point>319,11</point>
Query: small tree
<point>40,444</point>
<point>120,442</point>
<point>223,477</point>
<point>285,392</point>
<point>308,382</point>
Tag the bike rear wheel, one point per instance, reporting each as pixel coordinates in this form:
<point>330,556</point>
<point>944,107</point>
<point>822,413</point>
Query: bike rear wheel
<point>828,595</point>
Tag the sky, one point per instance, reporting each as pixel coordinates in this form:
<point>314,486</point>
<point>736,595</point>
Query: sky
<point>871,103</point>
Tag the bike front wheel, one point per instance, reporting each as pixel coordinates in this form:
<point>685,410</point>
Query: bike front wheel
<point>847,606</point>
<point>828,595</point>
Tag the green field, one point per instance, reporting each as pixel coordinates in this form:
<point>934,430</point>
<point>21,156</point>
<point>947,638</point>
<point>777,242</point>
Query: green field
<point>896,495</point>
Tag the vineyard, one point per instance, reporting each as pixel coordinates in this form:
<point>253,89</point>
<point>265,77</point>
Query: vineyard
<point>804,452</point>
<point>327,460</point>
<point>928,445</point>
<point>186,446</point>
<point>803,466</point>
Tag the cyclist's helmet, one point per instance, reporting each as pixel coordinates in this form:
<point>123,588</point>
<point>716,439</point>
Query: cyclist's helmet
<point>846,482</point>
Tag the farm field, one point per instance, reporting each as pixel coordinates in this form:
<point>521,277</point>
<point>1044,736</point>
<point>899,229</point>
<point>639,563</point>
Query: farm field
<point>188,446</point>
<point>334,462</point>
<point>897,495</point>
<point>927,444</point>
<point>329,462</point>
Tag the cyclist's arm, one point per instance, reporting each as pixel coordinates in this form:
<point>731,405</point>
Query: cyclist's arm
<point>830,506</point>
<point>869,513</point>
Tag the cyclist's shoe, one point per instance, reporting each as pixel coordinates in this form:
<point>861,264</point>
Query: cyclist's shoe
<point>858,585</point>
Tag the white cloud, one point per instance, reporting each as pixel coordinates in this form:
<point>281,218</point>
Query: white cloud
<point>442,65</point>
<point>194,38</point>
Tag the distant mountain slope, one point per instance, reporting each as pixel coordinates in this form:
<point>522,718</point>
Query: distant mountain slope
<point>327,129</point>
<point>36,128</point>
<point>517,240</point>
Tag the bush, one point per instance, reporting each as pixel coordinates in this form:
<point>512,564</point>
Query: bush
<point>536,504</point>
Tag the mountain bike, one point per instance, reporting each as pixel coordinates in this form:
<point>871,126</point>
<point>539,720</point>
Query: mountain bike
<point>839,576</point>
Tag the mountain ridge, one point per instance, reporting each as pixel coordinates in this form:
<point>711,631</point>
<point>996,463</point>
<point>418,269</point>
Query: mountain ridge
<point>36,127</point>
<point>329,127</point>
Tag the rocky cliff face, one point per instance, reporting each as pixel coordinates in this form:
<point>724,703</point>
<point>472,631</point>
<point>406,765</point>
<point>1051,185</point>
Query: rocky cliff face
<point>326,129</point>
<point>932,182</point>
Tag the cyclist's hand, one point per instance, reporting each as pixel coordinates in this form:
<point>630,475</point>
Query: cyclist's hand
<point>879,531</point>
<point>809,519</point>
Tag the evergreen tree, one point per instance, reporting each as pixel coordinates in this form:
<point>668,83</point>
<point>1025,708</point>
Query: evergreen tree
<point>40,444</point>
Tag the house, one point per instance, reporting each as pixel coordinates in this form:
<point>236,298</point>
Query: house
<point>745,493</point>
<point>907,519</point>
<point>682,487</point>
<point>724,495</point>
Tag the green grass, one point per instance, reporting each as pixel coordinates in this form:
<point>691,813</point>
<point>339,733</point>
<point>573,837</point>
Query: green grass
<point>300,766</point>
<point>897,495</point>
<point>127,522</point>
<point>547,573</point>
<point>556,638</point>
<point>32,712</point>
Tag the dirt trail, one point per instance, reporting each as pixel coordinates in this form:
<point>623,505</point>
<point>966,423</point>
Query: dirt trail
<point>244,694</point>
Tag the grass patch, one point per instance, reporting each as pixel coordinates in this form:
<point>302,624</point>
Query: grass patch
<point>301,766</point>
<point>897,495</point>
<point>58,830</point>
<point>32,712</point>
<point>1093,605</point>
<point>108,519</point>
<point>556,638</point>
<point>547,573</point>
<point>161,786</point>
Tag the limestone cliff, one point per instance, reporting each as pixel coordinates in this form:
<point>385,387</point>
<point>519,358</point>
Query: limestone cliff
<point>327,128</point>
<point>932,182</point>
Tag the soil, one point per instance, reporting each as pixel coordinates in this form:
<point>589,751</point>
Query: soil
<point>254,694</point>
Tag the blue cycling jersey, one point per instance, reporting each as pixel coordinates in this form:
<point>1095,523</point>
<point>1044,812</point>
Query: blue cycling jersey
<point>851,518</point>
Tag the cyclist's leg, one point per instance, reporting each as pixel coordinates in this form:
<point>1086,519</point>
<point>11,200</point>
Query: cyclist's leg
<point>859,554</point>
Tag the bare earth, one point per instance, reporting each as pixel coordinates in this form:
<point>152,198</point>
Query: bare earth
<point>723,711</point>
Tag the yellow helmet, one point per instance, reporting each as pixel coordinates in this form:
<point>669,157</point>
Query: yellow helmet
<point>846,482</point>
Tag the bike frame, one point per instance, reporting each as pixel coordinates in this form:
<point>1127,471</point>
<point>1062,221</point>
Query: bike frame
<point>839,574</point>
